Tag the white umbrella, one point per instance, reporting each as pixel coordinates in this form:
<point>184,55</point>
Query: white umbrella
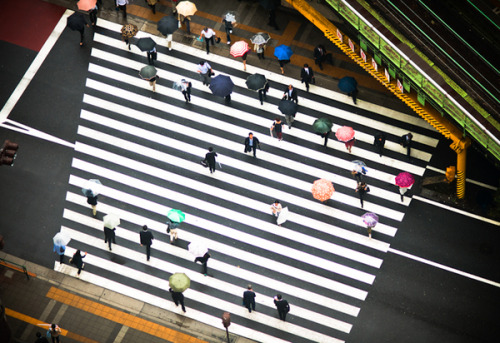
<point>61,239</point>
<point>111,221</point>
<point>282,216</point>
<point>197,249</point>
<point>92,185</point>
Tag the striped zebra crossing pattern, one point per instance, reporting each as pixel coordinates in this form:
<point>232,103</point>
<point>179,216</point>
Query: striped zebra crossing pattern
<point>146,148</point>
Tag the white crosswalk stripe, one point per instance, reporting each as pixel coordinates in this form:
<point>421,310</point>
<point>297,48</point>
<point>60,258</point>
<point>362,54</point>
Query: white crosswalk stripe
<point>146,148</point>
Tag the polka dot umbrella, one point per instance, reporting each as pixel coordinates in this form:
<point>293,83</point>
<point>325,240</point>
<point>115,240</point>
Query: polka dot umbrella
<point>322,189</point>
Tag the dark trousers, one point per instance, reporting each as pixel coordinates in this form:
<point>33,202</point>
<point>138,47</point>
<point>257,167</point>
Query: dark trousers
<point>180,301</point>
<point>282,315</point>
<point>380,149</point>
<point>187,95</point>
<point>250,306</point>
<point>207,42</point>
<point>124,9</point>
<point>228,34</point>
<point>262,95</point>
<point>361,195</point>
<point>148,251</point>
<point>93,17</point>
<point>254,147</point>
<point>203,261</point>
<point>151,57</point>
<point>55,339</point>
<point>188,25</point>
<point>61,258</point>
<point>82,31</point>
<point>211,167</point>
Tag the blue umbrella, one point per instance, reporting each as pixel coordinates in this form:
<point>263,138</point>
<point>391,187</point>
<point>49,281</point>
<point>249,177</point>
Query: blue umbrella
<point>347,84</point>
<point>283,52</point>
<point>221,85</point>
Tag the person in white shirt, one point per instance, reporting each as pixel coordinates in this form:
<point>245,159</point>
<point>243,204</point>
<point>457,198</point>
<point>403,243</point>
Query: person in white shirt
<point>209,35</point>
<point>205,71</point>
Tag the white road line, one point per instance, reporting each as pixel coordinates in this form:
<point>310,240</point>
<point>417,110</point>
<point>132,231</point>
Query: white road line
<point>475,216</point>
<point>441,266</point>
<point>244,255</point>
<point>14,126</point>
<point>35,65</point>
<point>162,284</point>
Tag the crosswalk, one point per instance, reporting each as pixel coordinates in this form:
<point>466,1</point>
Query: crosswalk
<point>145,148</point>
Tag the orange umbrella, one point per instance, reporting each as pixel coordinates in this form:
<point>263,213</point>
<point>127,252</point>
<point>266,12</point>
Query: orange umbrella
<point>322,189</point>
<point>86,5</point>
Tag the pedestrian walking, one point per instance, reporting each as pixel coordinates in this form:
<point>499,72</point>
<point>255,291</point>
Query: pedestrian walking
<point>60,250</point>
<point>263,93</point>
<point>152,82</point>
<point>325,136</point>
<point>402,192</point>
<point>244,58</point>
<point>251,143</point>
<point>92,201</point>
<point>249,298</point>
<point>146,237</point>
<point>186,20</point>
<point>205,71</point>
<point>379,143</point>
<point>282,306</point>
<point>282,65</point>
<point>172,230</point>
<point>228,27</point>
<point>77,260</point>
<point>362,189</point>
<point>321,56</point>
<point>349,144</point>
<point>203,260</point>
<point>291,94</point>
<point>109,236</point>
<point>354,95</point>
<point>209,36</point>
<point>210,159</point>
<point>82,33</point>
<point>152,56</point>
<point>259,49</point>
<point>93,16</point>
<point>278,128</point>
<point>186,89</point>
<point>169,41</point>
<point>406,142</point>
<point>276,209</point>
<point>369,230</point>
<point>358,174</point>
<point>152,5</point>
<point>121,5</point>
<point>307,76</point>
<point>178,298</point>
<point>40,338</point>
<point>55,332</point>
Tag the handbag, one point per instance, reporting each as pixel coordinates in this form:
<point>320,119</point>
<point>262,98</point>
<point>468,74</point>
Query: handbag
<point>217,39</point>
<point>313,80</point>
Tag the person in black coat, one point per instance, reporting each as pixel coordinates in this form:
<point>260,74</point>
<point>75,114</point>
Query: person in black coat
<point>109,236</point>
<point>379,143</point>
<point>77,260</point>
<point>406,141</point>
<point>203,260</point>
<point>362,189</point>
<point>320,56</point>
<point>178,298</point>
<point>92,201</point>
<point>325,135</point>
<point>251,143</point>
<point>307,76</point>
<point>152,56</point>
<point>40,338</point>
<point>291,94</point>
<point>210,159</point>
<point>263,93</point>
<point>147,240</point>
<point>282,306</point>
<point>249,299</point>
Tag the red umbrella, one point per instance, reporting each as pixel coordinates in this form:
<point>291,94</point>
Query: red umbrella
<point>86,5</point>
<point>345,133</point>
<point>322,189</point>
<point>239,48</point>
<point>404,179</point>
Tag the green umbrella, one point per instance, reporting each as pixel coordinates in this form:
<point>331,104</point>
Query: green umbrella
<point>176,216</point>
<point>322,125</point>
<point>179,282</point>
<point>148,72</point>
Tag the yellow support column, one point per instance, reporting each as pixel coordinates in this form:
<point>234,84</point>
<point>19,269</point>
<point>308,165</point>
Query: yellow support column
<point>460,148</point>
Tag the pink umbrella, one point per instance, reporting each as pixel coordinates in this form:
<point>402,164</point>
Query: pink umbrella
<point>86,5</point>
<point>322,189</point>
<point>239,48</point>
<point>404,179</point>
<point>345,133</point>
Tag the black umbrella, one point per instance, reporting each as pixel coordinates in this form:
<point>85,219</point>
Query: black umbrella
<point>76,21</point>
<point>256,82</point>
<point>221,85</point>
<point>168,25</point>
<point>146,44</point>
<point>288,107</point>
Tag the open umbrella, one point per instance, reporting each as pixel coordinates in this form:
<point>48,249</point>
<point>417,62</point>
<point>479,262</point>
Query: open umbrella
<point>239,48</point>
<point>283,52</point>
<point>186,8</point>
<point>76,21</point>
<point>322,189</point>
<point>260,38</point>
<point>86,5</point>
<point>256,82</point>
<point>92,187</point>
<point>347,84</point>
<point>179,282</point>
<point>176,215</point>
<point>177,85</point>
<point>283,216</point>
<point>345,133</point>
<point>370,219</point>
<point>146,44</point>
<point>129,30</point>
<point>168,25</point>
<point>322,125</point>
<point>197,249</point>
<point>148,72</point>
<point>111,221</point>
<point>404,179</point>
<point>230,16</point>
<point>287,107</point>
<point>61,239</point>
<point>221,85</point>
